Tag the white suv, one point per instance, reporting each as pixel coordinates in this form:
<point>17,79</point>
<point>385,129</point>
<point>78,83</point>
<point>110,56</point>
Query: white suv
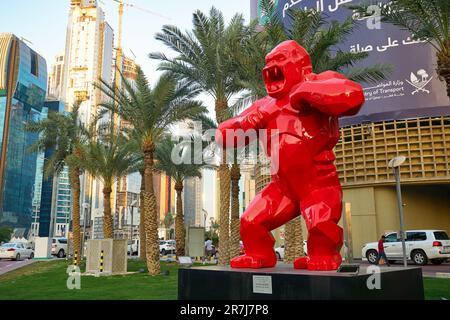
<point>421,246</point>
<point>166,246</point>
<point>59,247</point>
<point>133,247</point>
<point>280,250</point>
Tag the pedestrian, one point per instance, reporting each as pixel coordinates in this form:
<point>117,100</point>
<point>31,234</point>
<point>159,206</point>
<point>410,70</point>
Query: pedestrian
<point>208,247</point>
<point>241,247</point>
<point>381,253</point>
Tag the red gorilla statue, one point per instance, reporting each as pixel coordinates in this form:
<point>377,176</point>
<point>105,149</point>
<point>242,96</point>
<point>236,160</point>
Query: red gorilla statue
<point>304,108</point>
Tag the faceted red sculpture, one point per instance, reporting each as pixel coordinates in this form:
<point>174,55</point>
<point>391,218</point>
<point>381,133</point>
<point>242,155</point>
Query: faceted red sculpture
<point>301,111</point>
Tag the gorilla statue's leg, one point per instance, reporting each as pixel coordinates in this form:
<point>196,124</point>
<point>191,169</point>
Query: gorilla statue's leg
<point>269,210</point>
<point>321,210</point>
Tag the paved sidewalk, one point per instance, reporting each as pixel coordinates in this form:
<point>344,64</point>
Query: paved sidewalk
<point>429,270</point>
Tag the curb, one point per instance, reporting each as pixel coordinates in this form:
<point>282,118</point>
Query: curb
<point>444,275</point>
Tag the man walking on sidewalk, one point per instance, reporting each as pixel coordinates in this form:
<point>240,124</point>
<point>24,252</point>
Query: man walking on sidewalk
<point>381,253</point>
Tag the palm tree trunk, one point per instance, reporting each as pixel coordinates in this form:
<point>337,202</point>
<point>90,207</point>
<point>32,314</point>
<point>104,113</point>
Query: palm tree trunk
<point>179,222</point>
<point>75,183</point>
<point>151,215</point>
<point>142,237</point>
<point>108,232</point>
<point>224,179</point>
<point>235,236</point>
<point>293,240</point>
<point>443,63</point>
<point>224,214</point>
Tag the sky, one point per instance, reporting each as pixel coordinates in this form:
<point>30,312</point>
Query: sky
<point>43,24</point>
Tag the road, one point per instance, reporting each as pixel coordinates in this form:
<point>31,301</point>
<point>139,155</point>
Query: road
<point>10,265</point>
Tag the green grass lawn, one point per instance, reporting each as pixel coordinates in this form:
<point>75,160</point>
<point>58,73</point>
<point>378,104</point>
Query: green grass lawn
<point>47,280</point>
<point>436,288</point>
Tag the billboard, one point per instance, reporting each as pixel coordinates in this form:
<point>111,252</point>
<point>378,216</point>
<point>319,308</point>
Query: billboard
<point>412,90</point>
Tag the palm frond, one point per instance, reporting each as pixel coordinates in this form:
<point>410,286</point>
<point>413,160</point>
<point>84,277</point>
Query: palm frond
<point>58,134</point>
<point>428,19</point>
<point>151,111</point>
<point>203,55</point>
<point>179,171</point>
<point>370,74</point>
<point>319,37</point>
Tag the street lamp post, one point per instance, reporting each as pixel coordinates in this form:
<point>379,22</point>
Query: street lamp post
<point>132,205</point>
<point>132,227</point>
<point>35,223</point>
<point>205,216</point>
<point>395,165</point>
<point>85,206</point>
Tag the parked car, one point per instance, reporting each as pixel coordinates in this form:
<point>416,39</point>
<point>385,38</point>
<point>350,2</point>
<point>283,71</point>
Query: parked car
<point>133,247</point>
<point>421,246</point>
<point>166,246</point>
<point>59,247</point>
<point>280,250</point>
<point>16,251</point>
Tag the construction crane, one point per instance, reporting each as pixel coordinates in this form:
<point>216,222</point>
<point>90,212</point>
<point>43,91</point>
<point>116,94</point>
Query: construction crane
<point>119,50</point>
<point>115,120</point>
<point>142,9</point>
<point>26,40</point>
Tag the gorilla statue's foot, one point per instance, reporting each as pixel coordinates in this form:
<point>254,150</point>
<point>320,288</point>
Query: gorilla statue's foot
<point>252,262</point>
<point>301,263</point>
<point>319,263</point>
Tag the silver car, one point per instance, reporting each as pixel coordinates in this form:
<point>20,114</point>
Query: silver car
<point>16,251</point>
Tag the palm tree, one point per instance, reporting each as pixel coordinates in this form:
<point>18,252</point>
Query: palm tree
<point>108,158</point>
<point>212,233</point>
<point>168,222</point>
<point>310,29</point>
<point>235,175</point>
<point>142,237</point>
<point>235,223</point>
<point>179,173</point>
<point>204,58</point>
<point>151,111</point>
<point>293,236</point>
<point>428,19</point>
<point>65,135</point>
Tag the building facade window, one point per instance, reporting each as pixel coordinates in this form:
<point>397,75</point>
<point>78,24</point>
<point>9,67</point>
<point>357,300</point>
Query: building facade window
<point>34,63</point>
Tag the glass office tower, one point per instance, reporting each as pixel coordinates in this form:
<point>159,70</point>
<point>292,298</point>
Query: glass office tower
<point>52,218</point>
<point>23,82</point>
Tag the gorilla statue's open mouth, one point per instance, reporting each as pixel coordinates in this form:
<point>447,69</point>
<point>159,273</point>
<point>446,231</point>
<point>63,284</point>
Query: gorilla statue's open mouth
<point>274,78</point>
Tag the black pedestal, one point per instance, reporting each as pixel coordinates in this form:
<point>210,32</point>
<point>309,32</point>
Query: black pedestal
<point>285,283</point>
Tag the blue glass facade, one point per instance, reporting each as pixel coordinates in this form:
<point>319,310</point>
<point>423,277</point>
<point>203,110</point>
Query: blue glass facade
<point>45,211</point>
<point>46,197</point>
<point>63,208</point>
<point>29,73</point>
